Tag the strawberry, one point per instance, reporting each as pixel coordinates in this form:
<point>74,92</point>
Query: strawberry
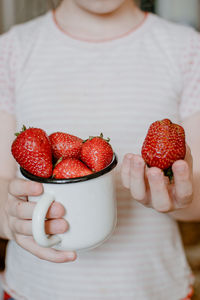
<point>96,153</point>
<point>164,144</point>
<point>65,145</point>
<point>32,150</point>
<point>70,168</point>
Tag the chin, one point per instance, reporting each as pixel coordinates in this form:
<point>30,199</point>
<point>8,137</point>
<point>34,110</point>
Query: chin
<point>100,6</point>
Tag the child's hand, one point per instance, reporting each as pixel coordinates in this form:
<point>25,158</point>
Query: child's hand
<point>19,215</point>
<point>150,187</point>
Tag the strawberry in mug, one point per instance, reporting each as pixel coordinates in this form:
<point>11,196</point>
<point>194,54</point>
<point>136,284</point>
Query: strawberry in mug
<point>32,150</point>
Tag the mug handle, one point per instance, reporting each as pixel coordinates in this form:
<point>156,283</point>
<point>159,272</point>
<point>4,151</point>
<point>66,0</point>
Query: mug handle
<point>38,222</point>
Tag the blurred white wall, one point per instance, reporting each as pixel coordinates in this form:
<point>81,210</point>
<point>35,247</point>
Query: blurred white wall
<point>182,11</point>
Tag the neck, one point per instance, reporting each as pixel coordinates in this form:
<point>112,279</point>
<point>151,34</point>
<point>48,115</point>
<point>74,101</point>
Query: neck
<point>83,23</point>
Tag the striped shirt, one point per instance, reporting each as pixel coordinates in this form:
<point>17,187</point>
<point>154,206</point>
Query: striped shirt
<point>54,81</point>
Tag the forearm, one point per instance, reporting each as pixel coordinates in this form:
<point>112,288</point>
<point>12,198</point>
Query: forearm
<point>192,212</point>
<point>4,232</point>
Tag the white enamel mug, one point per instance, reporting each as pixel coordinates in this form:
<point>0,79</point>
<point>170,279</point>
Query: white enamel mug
<point>90,205</point>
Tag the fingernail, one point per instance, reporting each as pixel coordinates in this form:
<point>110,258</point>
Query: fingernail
<point>137,164</point>
<point>129,156</point>
<point>71,255</point>
<point>181,168</point>
<point>154,176</point>
<point>35,188</point>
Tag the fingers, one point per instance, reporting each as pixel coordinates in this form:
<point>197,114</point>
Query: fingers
<point>137,183</point>
<point>156,190</point>
<point>19,208</point>
<point>24,227</point>
<point>20,212</point>
<point>133,176</point>
<point>24,209</point>
<point>20,187</point>
<point>50,254</point>
<point>183,183</point>
<point>56,210</point>
<point>159,193</point>
<point>56,226</point>
<point>125,170</point>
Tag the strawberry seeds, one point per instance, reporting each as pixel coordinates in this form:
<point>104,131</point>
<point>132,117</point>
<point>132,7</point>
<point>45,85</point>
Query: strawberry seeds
<point>60,155</point>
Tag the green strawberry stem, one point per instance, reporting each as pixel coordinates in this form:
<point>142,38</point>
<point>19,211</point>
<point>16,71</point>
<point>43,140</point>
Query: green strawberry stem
<point>101,136</point>
<point>23,129</point>
<point>169,173</point>
<point>58,161</point>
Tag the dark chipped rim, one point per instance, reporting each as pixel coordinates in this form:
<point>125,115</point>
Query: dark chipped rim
<point>32,177</point>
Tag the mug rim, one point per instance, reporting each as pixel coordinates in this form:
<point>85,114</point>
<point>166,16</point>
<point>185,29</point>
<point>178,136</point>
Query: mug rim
<point>106,170</point>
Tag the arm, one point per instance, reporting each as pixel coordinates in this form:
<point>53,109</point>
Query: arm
<point>15,211</point>
<point>149,186</point>
<point>7,166</point>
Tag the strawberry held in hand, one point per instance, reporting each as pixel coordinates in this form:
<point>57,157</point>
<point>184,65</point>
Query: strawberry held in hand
<point>70,168</point>
<point>164,144</point>
<point>32,150</point>
<point>96,153</point>
<point>65,145</point>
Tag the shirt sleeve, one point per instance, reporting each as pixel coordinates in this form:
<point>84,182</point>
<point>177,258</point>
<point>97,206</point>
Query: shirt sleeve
<point>190,98</point>
<point>8,67</point>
